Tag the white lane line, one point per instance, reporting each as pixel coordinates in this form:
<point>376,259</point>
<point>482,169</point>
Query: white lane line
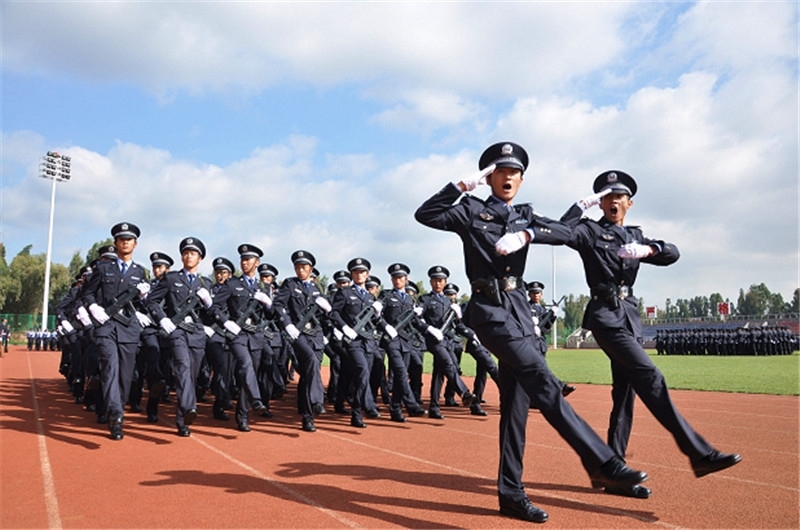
<point>50,499</point>
<point>283,487</point>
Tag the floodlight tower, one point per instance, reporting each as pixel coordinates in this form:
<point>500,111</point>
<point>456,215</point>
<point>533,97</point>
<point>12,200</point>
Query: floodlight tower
<point>55,167</point>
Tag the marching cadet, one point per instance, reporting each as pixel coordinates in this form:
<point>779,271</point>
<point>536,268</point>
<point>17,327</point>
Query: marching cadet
<point>113,289</point>
<point>356,312</point>
<point>183,295</point>
<point>298,304</point>
<point>495,235</point>
<point>611,253</point>
<point>377,358</point>
<point>336,352</point>
<point>415,364</point>
<point>398,311</point>
<point>543,319</point>
<point>440,314</point>
<point>217,354</point>
<point>148,360</point>
<point>237,308</point>
<point>270,378</point>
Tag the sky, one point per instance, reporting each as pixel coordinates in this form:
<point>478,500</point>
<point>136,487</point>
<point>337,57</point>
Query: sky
<point>324,125</point>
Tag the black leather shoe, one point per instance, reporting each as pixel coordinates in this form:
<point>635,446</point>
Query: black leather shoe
<point>399,418</point>
<point>714,462</point>
<point>258,405</point>
<point>450,402</point>
<point>616,474</point>
<point>243,426</point>
<point>308,426</point>
<point>567,390</point>
<point>436,415</point>
<point>116,431</point>
<point>357,422</point>
<point>221,415</point>
<point>341,409</point>
<point>637,492</point>
<point>266,414</point>
<point>152,418</point>
<point>373,413</point>
<point>416,413</point>
<point>136,408</point>
<point>523,509</point>
<point>102,418</point>
<point>184,431</point>
<point>469,399</point>
<point>189,417</point>
<point>477,410</point>
<point>319,409</point>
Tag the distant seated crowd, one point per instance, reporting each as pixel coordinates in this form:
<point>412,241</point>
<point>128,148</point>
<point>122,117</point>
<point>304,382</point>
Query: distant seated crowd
<point>757,340</point>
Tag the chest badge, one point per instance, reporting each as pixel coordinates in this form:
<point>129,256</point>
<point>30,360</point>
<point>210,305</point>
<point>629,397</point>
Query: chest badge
<point>486,216</point>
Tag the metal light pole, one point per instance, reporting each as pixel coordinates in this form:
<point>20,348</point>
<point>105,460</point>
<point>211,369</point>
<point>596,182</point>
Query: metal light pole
<point>555,322</point>
<point>55,167</point>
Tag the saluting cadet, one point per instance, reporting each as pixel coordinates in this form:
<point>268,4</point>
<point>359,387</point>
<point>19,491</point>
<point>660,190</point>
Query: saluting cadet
<point>357,314</point>
<point>398,311</point>
<point>176,303</point>
<point>611,254</point>
<point>117,331</point>
<point>495,234</point>
<point>300,306</point>
<point>440,313</point>
<point>237,308</point>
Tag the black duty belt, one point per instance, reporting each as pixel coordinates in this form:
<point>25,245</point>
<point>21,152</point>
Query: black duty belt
<point>506,283</point>
<point>605,291</point>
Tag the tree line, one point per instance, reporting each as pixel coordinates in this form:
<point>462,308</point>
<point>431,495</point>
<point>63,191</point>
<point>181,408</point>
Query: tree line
<point>22,287</point>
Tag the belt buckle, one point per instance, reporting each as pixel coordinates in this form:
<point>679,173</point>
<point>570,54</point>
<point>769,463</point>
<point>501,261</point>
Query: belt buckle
<point>510,283</point>
<point>188,319</point>
<point>623,292</point>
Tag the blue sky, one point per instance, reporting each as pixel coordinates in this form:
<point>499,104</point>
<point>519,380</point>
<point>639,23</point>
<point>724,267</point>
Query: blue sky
<point>324,125</point>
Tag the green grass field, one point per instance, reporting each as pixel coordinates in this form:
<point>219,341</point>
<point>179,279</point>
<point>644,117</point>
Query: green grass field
<point>779,374</point>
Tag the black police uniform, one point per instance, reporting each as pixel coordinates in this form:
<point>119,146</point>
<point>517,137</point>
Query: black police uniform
<point>178,291</point>
<point>612,316</point>
<point>117,339</point>
<point>498,311</point>
<point>293,301</point>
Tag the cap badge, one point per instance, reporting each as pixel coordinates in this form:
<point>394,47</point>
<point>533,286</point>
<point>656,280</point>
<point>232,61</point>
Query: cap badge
<point>507,149</point>
<point>612,177</point>
<point>124,226</point>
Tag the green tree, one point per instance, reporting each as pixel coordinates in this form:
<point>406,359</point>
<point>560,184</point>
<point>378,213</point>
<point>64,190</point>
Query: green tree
<point>699,306</point>
<point>794,305</point>
<point>775,304</point>
<point>27,283</point>
<point>755,302</point>
<point>573,311</point>
<point>75,264</point>
<point>5,276</point>
<point>94,252</point>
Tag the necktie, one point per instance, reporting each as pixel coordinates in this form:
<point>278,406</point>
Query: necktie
<point>124,268</point>
<point>361,292</point>
<point>191,279</point>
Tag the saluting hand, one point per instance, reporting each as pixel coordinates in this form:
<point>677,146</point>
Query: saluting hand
<point>476,179</point>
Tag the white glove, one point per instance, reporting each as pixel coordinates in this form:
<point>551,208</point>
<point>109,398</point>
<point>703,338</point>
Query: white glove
<point>99,314</point>
<point>323,304</point>
<point>292,331</point>
<point>593,199</point>
<point>204,296</point>
<point>634,251</point>
<point>349,332</point>
<point>143,319</point>
<point>436,332</point>
<point>66,326</point>
<point>378,307</point>
<point>83,316</point>
<point>510,243</point>
<point>144,288</point>
<point>457,310</point>
<point>476,341</point>
<point>338,335</point>
<point>167,325</point>
<point>325,340</point>
<point>418,310</point>
<point>391,331</point>
<point>232,326</point>
<point>476,179</point>
<point>262,297</point>
<point>209,331</point>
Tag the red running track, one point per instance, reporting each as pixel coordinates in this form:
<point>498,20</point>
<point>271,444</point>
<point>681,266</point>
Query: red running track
<point>60,469</point>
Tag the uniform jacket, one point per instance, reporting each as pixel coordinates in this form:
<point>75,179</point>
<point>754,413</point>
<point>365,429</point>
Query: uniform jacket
<point>597,242</point>
<point>291,301</point>
<point>171,293</point>
<point>480,224</point>
<point>105,284</point>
